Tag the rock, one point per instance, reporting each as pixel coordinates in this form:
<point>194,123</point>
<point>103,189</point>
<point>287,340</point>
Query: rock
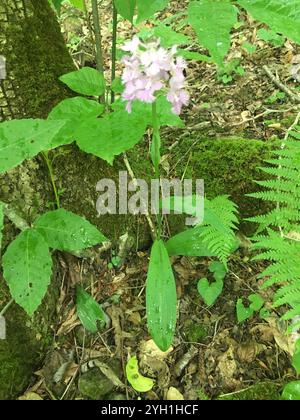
<point>95,385</point>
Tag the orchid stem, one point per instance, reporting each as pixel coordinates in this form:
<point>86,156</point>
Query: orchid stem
<point>155,154</point>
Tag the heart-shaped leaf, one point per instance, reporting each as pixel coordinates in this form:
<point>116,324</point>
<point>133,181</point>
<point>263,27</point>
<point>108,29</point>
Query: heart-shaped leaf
<point>242,311</point>
<point>209,291</point>
<point>257,302</point>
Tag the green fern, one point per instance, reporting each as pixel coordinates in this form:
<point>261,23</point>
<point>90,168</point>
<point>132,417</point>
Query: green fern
<point>219,224</point>
<point>281,243</point>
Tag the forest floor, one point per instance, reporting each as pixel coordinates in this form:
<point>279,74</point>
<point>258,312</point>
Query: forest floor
<point>212,354</point>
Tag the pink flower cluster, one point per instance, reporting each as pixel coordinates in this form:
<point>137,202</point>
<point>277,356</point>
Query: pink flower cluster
<point>149,69</point>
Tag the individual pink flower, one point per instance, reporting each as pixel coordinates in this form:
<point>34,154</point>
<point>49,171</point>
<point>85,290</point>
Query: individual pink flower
<point>150,69</point>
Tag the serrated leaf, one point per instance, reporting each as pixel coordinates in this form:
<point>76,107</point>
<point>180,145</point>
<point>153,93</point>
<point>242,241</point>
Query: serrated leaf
<point>138,382</point>
<point>74,111</point>
<point>86,81</point>
<point>147,8</point>
<point>24,139</point>
<point>291,391</point>
<point>78,107</point>
<point>126,8</point>
<point>90,312</point>
<point>282,16</point>
<point>161,299</point>
<point>111,135</point>
<point>212,22</point>
<point>27,267</point>
<point>1,221</point>
<point>67,231</point>
<point>189,244</point>
<point>209,291</point>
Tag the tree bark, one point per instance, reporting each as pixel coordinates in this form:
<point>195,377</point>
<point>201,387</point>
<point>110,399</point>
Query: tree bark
<point>36,55</point>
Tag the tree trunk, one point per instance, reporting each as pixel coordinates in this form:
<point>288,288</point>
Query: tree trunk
<point>36,56</point>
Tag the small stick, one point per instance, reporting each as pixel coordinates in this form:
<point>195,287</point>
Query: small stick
<point>280,85</point>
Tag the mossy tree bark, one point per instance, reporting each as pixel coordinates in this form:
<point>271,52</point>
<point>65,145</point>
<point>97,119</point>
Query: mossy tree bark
<point>36,56</point>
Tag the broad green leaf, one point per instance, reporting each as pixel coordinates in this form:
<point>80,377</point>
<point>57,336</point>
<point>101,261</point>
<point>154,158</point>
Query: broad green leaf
<point>138,382</point>
<point>212,21</point>
<point>168,37</point>
<point>147,8</point>
<point>1,221</point>
<point>79,4</point>
<point>209,291</point>
<point>74,111</point>
<point>27,267</point>
<point>189,244</point>
<point>161,299</point>
<point>111,135</point>
<point>117,85</point>
<point>292,391</point>
<point>242,311</point>
<point>282,16</point>
<point>67,231</point>
<point>86,81</point>
<point>76,108</point>
<point>126,8</point>
<point>24,139</point>
<point>90,312</point>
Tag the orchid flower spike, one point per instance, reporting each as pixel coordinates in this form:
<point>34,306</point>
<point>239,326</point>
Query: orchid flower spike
<point>149,68</point>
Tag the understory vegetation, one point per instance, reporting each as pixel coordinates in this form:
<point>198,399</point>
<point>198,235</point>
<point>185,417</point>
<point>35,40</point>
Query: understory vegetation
<point>150,200</point>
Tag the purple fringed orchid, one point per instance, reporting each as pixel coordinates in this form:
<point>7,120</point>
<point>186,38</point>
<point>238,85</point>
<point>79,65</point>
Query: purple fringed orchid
<point>149,69</point>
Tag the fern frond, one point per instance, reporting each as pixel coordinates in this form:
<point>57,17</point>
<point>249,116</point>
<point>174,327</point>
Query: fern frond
<point>220,221</point>
<point>281,247</point>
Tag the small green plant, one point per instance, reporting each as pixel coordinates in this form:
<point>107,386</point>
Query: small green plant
<point>211,291</point>
<point>270,36</point>
<point>245,312</point>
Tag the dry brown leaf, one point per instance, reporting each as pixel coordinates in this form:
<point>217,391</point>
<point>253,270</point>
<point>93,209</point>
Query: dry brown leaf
<point>149,348</point>
<point>69,324</point>
<point>30,396</point>
<point>173,394</point>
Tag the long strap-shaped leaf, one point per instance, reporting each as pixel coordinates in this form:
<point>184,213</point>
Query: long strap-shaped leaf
<point>161,297</point>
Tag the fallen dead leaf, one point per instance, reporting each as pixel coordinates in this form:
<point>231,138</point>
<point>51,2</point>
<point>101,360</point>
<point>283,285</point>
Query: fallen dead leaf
<point>173,394</point>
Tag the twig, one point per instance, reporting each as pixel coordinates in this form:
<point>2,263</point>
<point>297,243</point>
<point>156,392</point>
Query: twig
<point>134,180</point>
<point>281,86</point>
<point>263,114</point>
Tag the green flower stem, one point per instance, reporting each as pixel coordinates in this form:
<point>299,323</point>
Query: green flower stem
<point>51,174</point>
<point>155,155</point>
